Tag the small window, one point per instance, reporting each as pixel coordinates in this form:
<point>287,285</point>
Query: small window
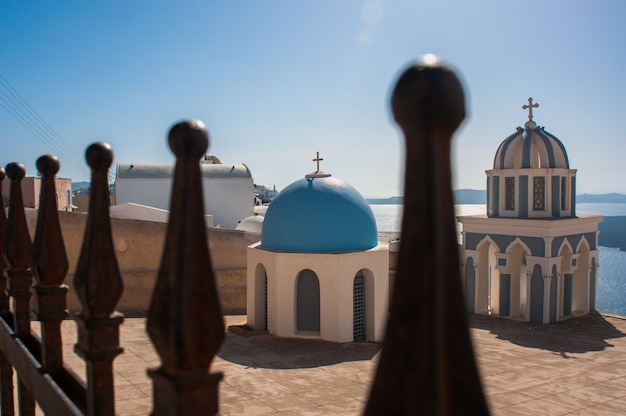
<point>509,193</point>
<point>563,193</point>
<point>539,193</point>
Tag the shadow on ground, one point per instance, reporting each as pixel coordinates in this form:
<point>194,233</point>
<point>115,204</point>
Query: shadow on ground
<point>575,335</point>
<point>267,351</point>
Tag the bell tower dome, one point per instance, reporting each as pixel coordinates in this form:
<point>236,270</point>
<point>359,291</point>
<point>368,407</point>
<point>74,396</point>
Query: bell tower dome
<point>531,177</point>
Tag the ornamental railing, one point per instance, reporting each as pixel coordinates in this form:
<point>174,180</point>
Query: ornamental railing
<point>427,364</point>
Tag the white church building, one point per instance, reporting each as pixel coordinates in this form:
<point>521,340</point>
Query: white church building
<point>319,270</point>
<point>227,189</point>
<point>530,258</point>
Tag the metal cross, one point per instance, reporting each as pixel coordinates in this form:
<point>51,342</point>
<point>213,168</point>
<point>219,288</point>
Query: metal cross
<point>318,159</point>
<point>530,107</point>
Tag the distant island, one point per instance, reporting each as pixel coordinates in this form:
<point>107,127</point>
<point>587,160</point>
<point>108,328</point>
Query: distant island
<point>479,196</point>
<point>611,198</point>
<point>461,196</point>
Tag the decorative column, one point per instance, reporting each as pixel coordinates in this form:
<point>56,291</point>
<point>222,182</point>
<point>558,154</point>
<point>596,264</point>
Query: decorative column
<point>547,278</point>
<point>529,276</point>
<point>559,297</point>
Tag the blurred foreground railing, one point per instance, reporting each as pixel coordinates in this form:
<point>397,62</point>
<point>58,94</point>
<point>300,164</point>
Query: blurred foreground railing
<point>427,364</point>
<point>185,320</point>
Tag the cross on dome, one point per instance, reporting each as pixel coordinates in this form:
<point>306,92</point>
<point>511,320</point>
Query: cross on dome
<point>318,159</point>
<point>318,173</point>
<point>530,107</point>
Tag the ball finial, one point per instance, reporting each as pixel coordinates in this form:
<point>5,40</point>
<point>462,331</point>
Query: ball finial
<point>48,165</point>
<point>99,155</point>
<point>428,93</point>
<point>15,171</point>
<point>188,139</point>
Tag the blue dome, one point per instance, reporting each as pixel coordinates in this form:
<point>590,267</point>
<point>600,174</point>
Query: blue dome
<point>319,215</point>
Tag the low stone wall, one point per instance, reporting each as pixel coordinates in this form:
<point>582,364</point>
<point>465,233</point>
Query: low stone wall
<point>139,246</point>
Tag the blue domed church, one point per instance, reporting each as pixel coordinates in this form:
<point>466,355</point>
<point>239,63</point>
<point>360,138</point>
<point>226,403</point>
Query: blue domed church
<point>530,257</point>
<point>319,271</point>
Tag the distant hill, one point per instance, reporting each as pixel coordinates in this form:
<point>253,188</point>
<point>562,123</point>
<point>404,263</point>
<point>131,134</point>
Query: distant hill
<point>80,185</point>
<point>479,196</point>
<point>470,196</point>
<point>461,196</point>
<point>611,198</point>
<point>382,201</point>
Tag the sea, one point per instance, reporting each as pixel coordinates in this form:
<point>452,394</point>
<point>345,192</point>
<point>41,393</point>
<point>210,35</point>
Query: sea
<point>612,269</point>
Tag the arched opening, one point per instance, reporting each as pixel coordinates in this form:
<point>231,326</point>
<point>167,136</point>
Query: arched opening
<point>470,285</point>
<point>307,301</point>
<point>580,284</point>
<point>359,315</point>
<point>488,287</point>
<point>536,295</point>
<point>260,298</point>
<point>517,267</point>
<point>565,291</point>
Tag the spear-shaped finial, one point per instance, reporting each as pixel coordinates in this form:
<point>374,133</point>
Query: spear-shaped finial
<point>427,364</point>
<point>185,319</point>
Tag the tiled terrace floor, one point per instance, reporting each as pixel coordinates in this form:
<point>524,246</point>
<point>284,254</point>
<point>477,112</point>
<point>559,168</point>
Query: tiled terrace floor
<point>573,367</point>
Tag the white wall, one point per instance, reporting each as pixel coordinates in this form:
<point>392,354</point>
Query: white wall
<point>228,200</point>
<point>336,274</point>
<point>146,213</point>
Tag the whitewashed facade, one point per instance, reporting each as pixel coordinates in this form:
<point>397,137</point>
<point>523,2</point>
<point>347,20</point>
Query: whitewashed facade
<point>227,189</point>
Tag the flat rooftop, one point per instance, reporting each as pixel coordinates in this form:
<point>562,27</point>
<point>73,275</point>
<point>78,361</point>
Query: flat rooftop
<point>573,367</point>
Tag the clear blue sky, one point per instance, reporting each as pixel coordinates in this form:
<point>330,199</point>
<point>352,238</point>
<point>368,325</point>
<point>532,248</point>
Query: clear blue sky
<point>277,80</point>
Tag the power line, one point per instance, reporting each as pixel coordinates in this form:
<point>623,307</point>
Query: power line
<point>17,106</point>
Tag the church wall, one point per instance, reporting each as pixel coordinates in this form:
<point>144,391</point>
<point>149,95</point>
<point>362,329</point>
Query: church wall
<point>336,273</point>
<point>574,240</point>
<point>535,244</point>
<point>375,262</point>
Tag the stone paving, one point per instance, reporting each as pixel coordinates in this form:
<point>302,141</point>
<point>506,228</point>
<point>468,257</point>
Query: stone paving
<point>575,367</point>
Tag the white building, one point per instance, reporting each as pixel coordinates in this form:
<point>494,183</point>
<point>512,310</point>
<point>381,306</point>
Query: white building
<point>530,258</point>
<point>319,271</point>
<point>227,189</point>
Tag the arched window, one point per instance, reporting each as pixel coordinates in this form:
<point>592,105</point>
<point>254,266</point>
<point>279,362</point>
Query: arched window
<point>307,301</point>
<point>359,316</point>
<point>260,300</point>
